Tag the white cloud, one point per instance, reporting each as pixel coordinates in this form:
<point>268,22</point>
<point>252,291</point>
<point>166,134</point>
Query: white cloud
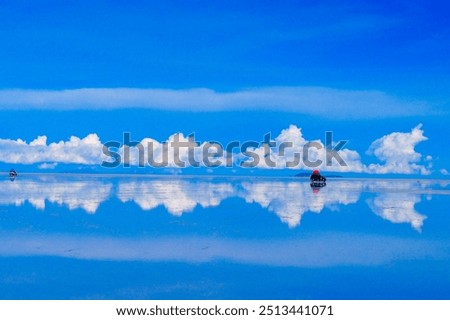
<point>80,151</point>
<point>292,156</point>
<point>398,152</point>
<point>444,172</point>
<point>165,152</point>
<point>321,101</point>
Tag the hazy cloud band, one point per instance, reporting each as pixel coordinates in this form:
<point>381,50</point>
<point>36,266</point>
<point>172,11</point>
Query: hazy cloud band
<point>319,101</point>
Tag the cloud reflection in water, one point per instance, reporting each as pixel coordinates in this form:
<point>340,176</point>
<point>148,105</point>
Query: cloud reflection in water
<point>73,193</point>
<point>289,199</point>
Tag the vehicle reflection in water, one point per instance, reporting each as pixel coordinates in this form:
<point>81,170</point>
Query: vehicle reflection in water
<point>316,186</point>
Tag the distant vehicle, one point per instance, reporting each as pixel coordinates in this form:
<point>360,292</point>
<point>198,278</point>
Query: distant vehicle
<point>12,174</point>
<point>317,177</point>
<point>317,180</point>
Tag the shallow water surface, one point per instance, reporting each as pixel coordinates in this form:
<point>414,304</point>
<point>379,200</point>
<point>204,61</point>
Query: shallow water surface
<point>155,237</point>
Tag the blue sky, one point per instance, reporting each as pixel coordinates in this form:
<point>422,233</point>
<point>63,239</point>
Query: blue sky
<point>227,70</point>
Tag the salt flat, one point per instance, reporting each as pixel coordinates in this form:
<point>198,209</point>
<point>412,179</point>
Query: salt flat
<point>198,237</point>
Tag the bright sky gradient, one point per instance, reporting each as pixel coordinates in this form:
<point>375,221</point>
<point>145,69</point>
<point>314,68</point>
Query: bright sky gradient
<point>371,72</point>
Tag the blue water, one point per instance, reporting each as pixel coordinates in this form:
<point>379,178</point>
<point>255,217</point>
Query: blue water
<point>150,237</point>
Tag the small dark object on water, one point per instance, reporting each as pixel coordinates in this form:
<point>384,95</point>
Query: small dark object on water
<point>317,177</point>
<point>317,181</point>
<point>12,174</point>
